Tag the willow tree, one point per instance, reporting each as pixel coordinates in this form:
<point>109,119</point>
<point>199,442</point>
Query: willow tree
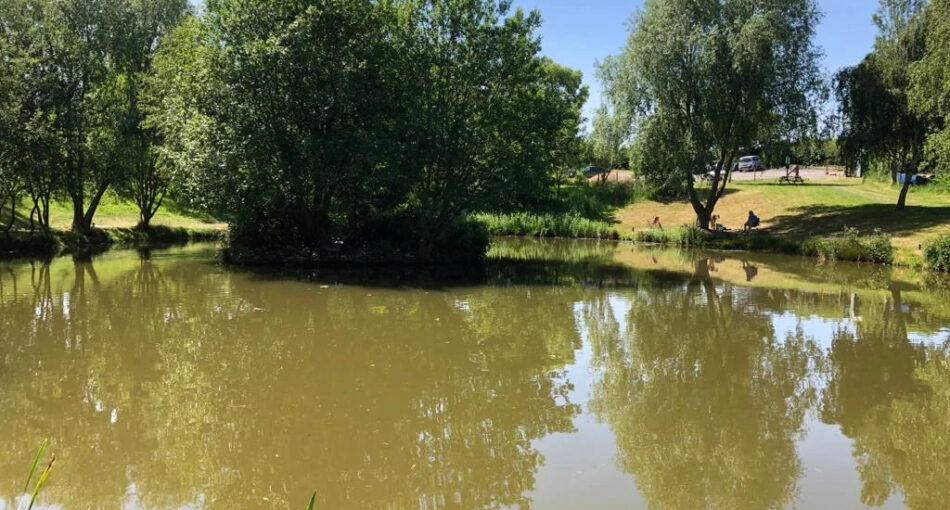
<point>700,81</point>
<point>879,123</point>
<point>930,83</point>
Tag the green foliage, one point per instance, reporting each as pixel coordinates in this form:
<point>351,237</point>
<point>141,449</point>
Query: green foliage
<point>316,122</point>
<point>43,474</point>
<point>937,253</point>
<point>851,245</point>
<point>701,82</point>
<point>882,128</point>
<point>930,83</point>
<point>546,225</point>
<point>607,141</point>
<point>596,201</point>
<point>70,123</point>
<point>36,462</point>
<point>686,235</point>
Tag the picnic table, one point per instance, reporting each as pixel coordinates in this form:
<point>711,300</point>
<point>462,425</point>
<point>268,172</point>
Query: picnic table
<point>791,176</point>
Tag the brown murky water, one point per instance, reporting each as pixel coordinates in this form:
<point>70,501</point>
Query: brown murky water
<point>562,375</point>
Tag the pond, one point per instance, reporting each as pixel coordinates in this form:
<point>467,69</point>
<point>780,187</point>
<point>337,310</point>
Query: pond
<point>560,375</point>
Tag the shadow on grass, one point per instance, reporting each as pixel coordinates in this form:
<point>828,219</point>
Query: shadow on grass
<point>831,219</point>
<point>806,184</point>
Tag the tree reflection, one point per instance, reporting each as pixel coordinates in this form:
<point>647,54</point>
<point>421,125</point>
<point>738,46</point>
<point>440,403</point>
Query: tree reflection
<point>892,397</point>
<point>705,402</point>
<point>169,383</point>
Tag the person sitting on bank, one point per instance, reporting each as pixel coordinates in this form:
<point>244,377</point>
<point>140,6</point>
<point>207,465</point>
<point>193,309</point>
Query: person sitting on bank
<point>714,222</point>
<point>656,223</point>
<point>751,223</point>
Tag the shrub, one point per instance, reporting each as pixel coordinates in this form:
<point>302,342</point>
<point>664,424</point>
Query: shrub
<point>851,245</point>
<point>546,225</point>
<point>937,253</point>
<point>686,235</point>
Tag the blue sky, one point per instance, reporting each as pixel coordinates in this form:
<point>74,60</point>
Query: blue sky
<point>578,33</point>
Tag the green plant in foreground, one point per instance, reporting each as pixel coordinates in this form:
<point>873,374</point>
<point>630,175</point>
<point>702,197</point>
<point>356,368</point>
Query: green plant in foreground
<point>43,476</point>
<point>313,499</point>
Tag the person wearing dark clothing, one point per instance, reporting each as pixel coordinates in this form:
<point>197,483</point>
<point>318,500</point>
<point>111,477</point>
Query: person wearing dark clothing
<point>751,223</point>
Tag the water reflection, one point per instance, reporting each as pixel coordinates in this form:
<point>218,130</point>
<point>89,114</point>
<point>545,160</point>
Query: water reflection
<point>892,397</point>
<point>164,385</point>
<point>705,401</point>
<point>165,380</point>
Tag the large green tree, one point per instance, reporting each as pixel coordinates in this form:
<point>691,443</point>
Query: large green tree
<point>879,123</point>
<point>146,178</point>
<point>363,126</point>
<point>701,81</point>
<point>930,83</point>
<point>492,113</point>
<point>77,66</point>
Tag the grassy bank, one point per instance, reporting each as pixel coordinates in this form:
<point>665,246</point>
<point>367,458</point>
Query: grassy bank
<point>848,245</point>
<point>821,208</point>
<point>114,226</point>
<point>828,218</point>
<point>22,244</point>
<point>548,225</point>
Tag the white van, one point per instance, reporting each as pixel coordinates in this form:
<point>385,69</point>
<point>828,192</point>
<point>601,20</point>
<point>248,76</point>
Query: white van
<point>749,164</point>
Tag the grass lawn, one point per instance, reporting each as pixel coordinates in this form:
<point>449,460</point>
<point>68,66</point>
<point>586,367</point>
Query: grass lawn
<point>115,213</point>
<point>818,207</point>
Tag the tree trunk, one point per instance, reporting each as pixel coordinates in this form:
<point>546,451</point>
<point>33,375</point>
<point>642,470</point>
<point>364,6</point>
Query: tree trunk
<point>93,206</point>
<point>82,217</point>
<point>78,212</point>
<point>701,217</point>
<point>9,226</point>
<point>902,199</point>
<point>32,213</point>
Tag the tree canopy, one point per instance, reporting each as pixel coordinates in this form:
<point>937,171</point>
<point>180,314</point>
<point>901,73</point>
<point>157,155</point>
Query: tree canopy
<point>364,126</point>
<point>879,124</point>
<point>701,82</point>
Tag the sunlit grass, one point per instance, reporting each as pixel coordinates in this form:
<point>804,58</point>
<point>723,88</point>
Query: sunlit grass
<point>547,225</point>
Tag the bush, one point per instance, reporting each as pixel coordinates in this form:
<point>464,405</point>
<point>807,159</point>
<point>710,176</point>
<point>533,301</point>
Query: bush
<point>687,235</point>
<point>546,225</point>
<point>851,245</point>
<point>937,253</point>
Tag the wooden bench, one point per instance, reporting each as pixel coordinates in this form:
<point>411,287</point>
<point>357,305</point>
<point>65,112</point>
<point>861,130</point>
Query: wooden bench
<point>791,176</point>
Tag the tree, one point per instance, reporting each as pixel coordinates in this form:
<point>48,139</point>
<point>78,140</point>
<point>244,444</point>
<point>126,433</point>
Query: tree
<point>700,81</point>
<point>607,139</point>
<point>147,178</point>
<point>29,143</point>
<point>286,111</point>
<point>371,127</point>
<point>873,96</point>
<point>490,119</point>
<point>930,83</point>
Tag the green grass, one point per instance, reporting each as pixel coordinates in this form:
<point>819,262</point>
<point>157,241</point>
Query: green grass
<point>116,213</point>
<point>114,226</point>
<point>821,207</point>
<point>547,225</point>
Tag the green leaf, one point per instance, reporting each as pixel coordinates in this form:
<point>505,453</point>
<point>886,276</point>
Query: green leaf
<point>313,499</point>
<point>36,461</point>
<point>40,482</point>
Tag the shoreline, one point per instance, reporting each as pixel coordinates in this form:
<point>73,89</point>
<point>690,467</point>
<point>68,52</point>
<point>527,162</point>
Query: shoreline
<point>22,245</point>
<point>58,243</point>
